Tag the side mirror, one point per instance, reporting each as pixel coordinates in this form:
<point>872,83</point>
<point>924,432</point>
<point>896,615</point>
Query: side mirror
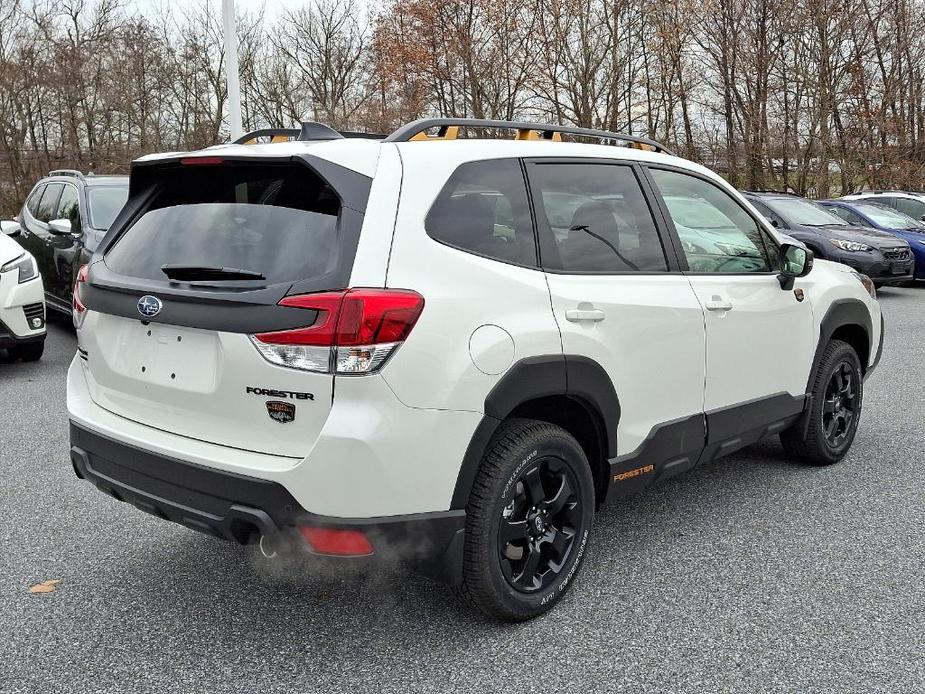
<point>10,228</point>
<point>795,261</point>
<point>61,227</point>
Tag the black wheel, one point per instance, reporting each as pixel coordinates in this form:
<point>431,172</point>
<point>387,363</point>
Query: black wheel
<point>527,521</point>
<point>832,420</point>
<point>31,351</point>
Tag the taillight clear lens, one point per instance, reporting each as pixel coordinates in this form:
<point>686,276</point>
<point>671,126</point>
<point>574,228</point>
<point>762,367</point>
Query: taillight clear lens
<point>79,311</point>
<point>302,357</point>
<point>355,331</point>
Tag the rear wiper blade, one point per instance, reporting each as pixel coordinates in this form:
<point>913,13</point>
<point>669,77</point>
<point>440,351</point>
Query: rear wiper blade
<point>193,273</point>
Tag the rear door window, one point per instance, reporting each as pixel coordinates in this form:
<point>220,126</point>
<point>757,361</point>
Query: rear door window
<point>597,218</point>
<point>275,223</point>
<point>69,207</point>
<point>483,210</point>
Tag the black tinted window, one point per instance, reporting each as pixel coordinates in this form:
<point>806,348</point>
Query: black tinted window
<point>69,207</point>
<point>279,221</point>
<point>105,204</point>
<point>49,203</point>
<point>32,204</point>
<point>598,218</point>
<point>483,209</point>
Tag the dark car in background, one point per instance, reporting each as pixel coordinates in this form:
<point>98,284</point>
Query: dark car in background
<point>62,222</point>
<point>881,256</point>
<point>886,219</point>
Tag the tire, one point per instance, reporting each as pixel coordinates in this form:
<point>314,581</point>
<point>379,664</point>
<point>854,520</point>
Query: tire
<point>498,580</point>
<point>825,432</point>
<point>31,351</point>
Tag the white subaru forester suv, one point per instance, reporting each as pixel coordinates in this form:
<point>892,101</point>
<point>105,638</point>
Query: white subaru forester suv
<point>447,350</point>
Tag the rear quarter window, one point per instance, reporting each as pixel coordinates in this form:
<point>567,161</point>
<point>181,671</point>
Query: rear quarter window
<point>483,210</point>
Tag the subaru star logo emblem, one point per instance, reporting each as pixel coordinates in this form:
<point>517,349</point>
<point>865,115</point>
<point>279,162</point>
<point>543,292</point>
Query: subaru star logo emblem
<point>149,306</point>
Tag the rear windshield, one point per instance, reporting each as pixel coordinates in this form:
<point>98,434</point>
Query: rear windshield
<point>105,203</point>
<point>279,221</point>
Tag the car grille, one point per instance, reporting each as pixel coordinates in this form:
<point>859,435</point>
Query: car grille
<point>34,311</point>
<point>898,253</point>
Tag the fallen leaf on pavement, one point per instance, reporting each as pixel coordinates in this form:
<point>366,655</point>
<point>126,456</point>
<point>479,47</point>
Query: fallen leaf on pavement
<point>45,586</point>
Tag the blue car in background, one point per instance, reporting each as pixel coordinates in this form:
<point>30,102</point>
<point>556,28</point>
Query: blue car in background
<point>870,214</point>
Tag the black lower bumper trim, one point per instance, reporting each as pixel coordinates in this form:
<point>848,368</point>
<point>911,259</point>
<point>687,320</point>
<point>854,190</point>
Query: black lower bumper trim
<point>9,339</point>
<point>243,509</point>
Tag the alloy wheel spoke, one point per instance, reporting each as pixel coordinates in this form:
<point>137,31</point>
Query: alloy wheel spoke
<point>828,406</point>
<point>554,505</point>
<point>534,486</point>
<point>532,562</point>
<point>560,543</point>
<point>512,531</point>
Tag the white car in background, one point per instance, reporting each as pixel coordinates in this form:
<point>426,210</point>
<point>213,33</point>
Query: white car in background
<point>22,299</point>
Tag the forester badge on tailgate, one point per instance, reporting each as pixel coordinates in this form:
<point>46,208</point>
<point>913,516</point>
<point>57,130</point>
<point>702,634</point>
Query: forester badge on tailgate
<point>281,411</point>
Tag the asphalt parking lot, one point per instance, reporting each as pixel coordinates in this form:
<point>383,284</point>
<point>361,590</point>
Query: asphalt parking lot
<point>748,574</point>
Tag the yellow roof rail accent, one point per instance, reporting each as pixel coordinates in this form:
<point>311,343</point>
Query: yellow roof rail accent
<point>447,132</point>
<point>531,134</point>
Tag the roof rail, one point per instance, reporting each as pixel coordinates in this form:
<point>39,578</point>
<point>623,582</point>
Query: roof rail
<point>309,131</point>
<point>66,172</point>
<point>448,129</point>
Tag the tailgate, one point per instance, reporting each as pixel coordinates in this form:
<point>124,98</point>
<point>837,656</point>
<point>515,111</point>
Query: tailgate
<point>208,385</point>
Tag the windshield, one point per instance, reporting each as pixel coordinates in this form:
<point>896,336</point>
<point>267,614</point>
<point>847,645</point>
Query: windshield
<point>804,212</point>
<point>885,217</point>
<point>105,203</point>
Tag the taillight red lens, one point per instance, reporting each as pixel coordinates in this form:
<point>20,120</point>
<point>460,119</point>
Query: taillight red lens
<point>321,333</point>
<point>337,542</point>
<point>355,332</point>
<point>352,317</point>
<point>377,316</point>
<point>79,310</point>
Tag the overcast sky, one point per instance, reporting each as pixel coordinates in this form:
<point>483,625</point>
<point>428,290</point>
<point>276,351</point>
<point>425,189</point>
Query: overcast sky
<point>273,7</point>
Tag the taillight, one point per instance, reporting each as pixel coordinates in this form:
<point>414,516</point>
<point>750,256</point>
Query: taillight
<point>355,331</point>
<point>79,311</point>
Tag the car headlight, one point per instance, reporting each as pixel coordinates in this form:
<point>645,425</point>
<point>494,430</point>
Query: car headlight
<point>867,282</point>
<point>25,264</point>
<point>852,246</point>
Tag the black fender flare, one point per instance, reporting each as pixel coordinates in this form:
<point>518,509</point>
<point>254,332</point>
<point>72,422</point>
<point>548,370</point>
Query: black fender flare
<point>841,313</point>
<point>577,377</point>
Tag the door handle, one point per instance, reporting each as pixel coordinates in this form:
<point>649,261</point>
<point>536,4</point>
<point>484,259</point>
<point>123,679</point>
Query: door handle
<point>579,314</point>
<point>719,305</point>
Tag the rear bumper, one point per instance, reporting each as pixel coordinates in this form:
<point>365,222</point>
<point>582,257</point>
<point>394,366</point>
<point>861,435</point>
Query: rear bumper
<point>246,509</point>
